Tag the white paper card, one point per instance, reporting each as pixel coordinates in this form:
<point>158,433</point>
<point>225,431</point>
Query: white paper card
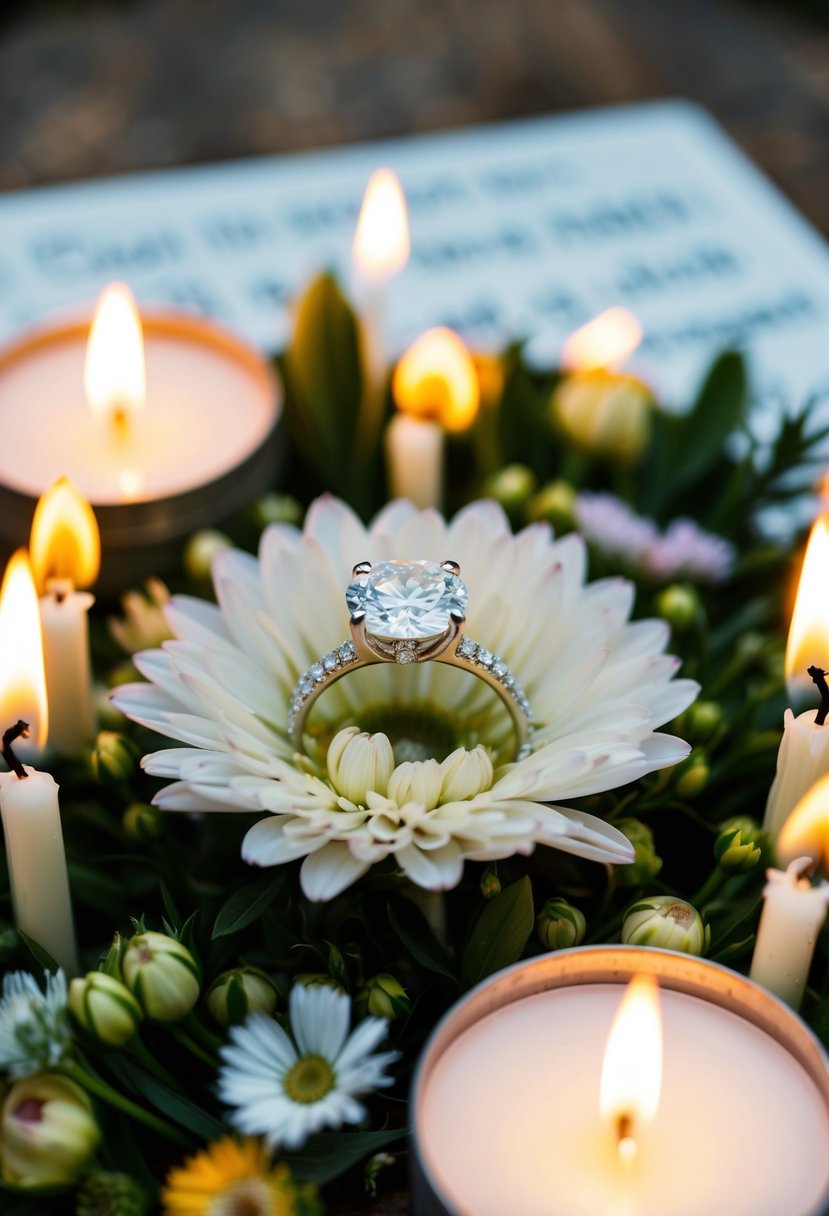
<point>522,229</point>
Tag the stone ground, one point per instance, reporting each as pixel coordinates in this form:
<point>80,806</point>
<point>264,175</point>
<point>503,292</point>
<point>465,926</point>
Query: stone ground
<point>93,89</point>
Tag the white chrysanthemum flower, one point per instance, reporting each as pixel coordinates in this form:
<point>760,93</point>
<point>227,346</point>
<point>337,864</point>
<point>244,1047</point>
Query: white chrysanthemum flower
<point>411,762</point>
<point>286,1087</point>
<point>34,1033</point>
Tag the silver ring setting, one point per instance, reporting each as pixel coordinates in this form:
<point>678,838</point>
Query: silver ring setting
<point>409,612</point>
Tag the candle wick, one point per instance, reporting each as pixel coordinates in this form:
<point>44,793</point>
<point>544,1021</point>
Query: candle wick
<point>625,1139</point>
<point>19,730</point>
<point>819,678</point>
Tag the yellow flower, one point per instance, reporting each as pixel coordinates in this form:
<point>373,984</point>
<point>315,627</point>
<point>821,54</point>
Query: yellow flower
<point>234,1178</point>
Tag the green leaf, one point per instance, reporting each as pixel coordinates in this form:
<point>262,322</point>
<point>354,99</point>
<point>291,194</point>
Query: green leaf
<point>247,904</point>
<point>173,914</point>
<point>500,934</point>
<point>41,956</point>
<point>410,926</point>
<point>328,1154</point>
<point>174,1106</point>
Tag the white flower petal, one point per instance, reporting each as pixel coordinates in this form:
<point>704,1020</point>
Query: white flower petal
<point>326,873</point>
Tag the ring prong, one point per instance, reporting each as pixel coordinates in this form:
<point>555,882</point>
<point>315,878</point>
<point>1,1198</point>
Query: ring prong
<point>451,567</point>
<point>360,568</point>
<point>358,617</point>
<point>457,617</point>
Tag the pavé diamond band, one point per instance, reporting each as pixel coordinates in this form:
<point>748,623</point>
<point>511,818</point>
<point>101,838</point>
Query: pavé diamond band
<point>409,612</point>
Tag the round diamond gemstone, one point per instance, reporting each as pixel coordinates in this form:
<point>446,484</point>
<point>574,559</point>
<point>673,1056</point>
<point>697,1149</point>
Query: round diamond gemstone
<point>407,599</point>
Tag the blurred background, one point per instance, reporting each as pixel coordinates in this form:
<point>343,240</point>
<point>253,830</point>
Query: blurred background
<point>114,86</point>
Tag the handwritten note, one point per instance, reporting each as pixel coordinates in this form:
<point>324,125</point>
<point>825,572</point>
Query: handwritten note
<point>518,230</point>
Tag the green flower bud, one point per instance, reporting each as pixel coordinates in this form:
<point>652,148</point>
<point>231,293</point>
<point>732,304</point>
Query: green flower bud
<point>142,822</point>
<point>48,1132</point>
<point>235,994</point>
<point>604,413</point>
<point>664,920</point>
<point>276,509</point>
<point>162,974</point>
<point>555,504</point>
<point>511,486</point>
<point>200,551</point>
<point>701,720</point>
<point>490,882</point>
<point>559,925</point>
<point>739,846</point>
<point>317,979</point>
<point>679,605</point>
<point>383,997</point>
<point>692,776</point>
<point>104,1008</point>
<point>108,1194</point>
<point>646,862</point>
<point>143,625</point>
<point>113,758</point>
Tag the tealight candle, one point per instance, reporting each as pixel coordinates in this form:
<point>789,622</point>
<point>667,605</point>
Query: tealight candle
<point>795,909</point>
<point>202,446</point>
<point>435,387</point>
<point>804,750</point>
<point>506,1100</point>
<point>65,549</point>
<point>29,799</point>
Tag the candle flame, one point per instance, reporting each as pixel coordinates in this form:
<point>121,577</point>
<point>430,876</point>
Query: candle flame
<point>65,543</point>
<point>632,1068</point>
<point>605,342</point>
<point>806,831</point>
<point>436,379</point>
<point>381,238</point>
<point>808,643</point>
<point>114,372</point>
<point>22,675</point>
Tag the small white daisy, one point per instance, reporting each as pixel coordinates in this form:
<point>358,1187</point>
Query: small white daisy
<point>34,1032</point>
<point>285,1086</point>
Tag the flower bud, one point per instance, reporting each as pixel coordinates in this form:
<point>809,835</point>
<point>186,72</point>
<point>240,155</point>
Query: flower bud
<point>739,846</point>
<point>512,487</point>
<point>490,882</point>
<point>235,994</point>
<point>359,763</point>
<point>200,550</point>
<point>113,758</point>
<point>275,509</point>
<point>162,974</point>
<point>110,1194</point>
<point>555,504</point>
<point>691,776</point>
<point>48,1132</point>
<point>142,822</point>
<point>383,997</point>
<point>317,979</point>
<point>416,781</point>
<point>701,720</point>
<point>144,625</point>
<point>464,774</point>
<point>559,925</point>
<point>665,921</point>
<point>104,1008</point>
<point>604,413</point>
<point>679,605</point>
<point>646,862</point>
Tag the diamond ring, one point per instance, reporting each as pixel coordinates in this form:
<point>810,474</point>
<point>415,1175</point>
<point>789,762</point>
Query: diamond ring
<point>409,612</point>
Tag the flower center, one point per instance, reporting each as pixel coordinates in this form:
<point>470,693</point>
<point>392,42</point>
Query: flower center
<point>30,1111</point>
<point>309,1080</point>
<point>248,1198</point>
<point>416,732</point>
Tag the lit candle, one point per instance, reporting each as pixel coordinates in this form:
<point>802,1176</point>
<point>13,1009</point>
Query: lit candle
<point>73,404</point>
<point>65,549</point>
<point>599,407</point>
<point>804,750</point>
<point>435,387</point>
<point>506,1101</point>
<point>28,798</point>
<point>379,252</point>
<point>794,909</point>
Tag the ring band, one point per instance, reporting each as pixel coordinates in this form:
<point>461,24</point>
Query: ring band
<point>397,615</point>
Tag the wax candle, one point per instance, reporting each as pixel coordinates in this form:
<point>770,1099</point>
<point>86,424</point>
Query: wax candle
<point>201,446</point>
<point>435,388</point>
<point>804,750</point>
<point>506,1099</point>
<point>599,407</point>
<point>65,549</point>
<point>29,799</point>
<point>795,909</point>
